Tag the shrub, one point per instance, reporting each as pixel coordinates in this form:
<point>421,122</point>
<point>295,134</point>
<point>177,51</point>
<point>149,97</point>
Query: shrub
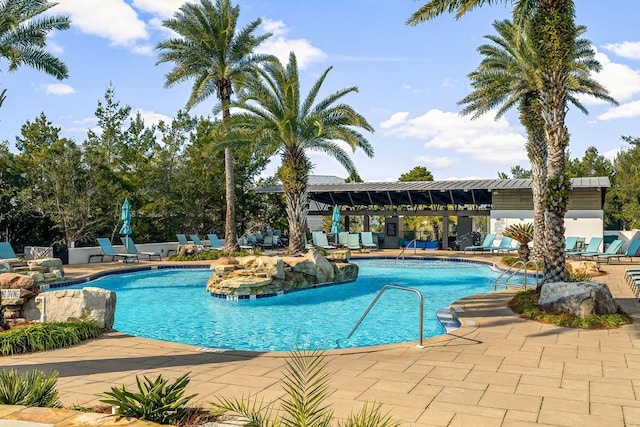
<point>47,336</point>
<point>31,388</point>
<point>525,303</point>
<point>156,401</point>
<point>210,255</point>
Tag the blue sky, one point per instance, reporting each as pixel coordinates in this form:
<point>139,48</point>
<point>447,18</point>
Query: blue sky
<point>409,78</point>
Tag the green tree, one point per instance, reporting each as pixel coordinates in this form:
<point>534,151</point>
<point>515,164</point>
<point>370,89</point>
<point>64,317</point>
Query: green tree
<point>592,164</point>
<point>419,173</point>
<point>23,37</point>
<point>275,115</point>
<point>623,199</point>
<point>212,50</point>
<point>509,76</point>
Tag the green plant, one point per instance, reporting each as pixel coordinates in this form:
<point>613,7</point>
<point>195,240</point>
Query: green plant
<point>156,401</point>
<point>578,276</point>
<point>30,388</point>
<point>525,303</point>
<point>523,234</point>
<point>306,385</point>
<point>47,336</point>
<point>212,255</point>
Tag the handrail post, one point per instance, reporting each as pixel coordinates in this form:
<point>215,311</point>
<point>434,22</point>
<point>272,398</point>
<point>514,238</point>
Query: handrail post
<point>379,294</point>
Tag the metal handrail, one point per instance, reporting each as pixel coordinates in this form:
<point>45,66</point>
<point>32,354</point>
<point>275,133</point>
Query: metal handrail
<point>384,288</point>
<point>521,265</point>
<point>415,247</point>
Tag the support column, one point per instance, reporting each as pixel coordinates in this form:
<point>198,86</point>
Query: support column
<point>366,223</point>
<point>445,233</point>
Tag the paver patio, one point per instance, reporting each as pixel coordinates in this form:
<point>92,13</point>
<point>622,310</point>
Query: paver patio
<point>496,370</point>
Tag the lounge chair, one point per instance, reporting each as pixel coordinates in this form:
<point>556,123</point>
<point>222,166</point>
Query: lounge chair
<point>353,242</point>
<point>343,238</point>
<point>216,243</point>
<point>268,242</point>
<point>592,247</point>
<point>366,237</point>
<point>612,249</point>
<point>631,251</point>
<point>108,250</point>
<point>307,245</point>
<point>504,245</point>
<point>488,242</point>
<point>8,255</point>
<point>131,249</point>
<point>322,242</point>
<point>570,243</point>
<point>182,239</point>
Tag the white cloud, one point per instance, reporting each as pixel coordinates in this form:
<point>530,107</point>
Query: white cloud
<point>624,111</point>
<point>625,49</point>
<point>114,20</point>
<point>437,162</point>
<point>449,82</point>
<point>280,46</point>
<point>164,8</point>
<point>54,47</point>
<point>484,139</point>
<point>622,81</point>
<point>59,89</point>
<point>144,49</point>
<point>151,117</point>
<point>611,154</point>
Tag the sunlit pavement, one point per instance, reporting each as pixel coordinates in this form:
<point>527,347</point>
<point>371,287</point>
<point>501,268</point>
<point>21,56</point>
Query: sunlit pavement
<point>496,370</point>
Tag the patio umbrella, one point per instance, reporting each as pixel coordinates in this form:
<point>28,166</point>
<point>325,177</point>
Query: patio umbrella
<point>335,220</point>
<point>126,221</point>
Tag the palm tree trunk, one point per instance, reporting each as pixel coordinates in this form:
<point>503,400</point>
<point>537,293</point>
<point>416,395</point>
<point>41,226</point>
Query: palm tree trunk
<point>294,174</point>
<point>230,238</point>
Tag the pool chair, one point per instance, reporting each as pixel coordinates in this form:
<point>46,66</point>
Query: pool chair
<point>612,249</point>
<point>343,238</point>
<point>353,242</point>
<point>488,242</point>
<point>268,242</point>
<point>570,243</point>
<point>504,245</point>
<point>366,237</point>
<point>322,242</point>
<point>182,239</point>
<point>108,250</point>
<point>631,251</point>
<point>592,247</point>
<point>307,245</point>
<point>130,247</point>
<point>216,244</point>
<point>8,255</point>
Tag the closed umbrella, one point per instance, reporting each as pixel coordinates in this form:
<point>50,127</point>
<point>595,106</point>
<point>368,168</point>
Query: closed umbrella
<point>126,221</point>
<point>335,220</point>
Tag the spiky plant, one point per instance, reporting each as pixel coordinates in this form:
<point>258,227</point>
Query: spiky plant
<point>30,388</point>
<point>306,384</point>
<point>523,234</point>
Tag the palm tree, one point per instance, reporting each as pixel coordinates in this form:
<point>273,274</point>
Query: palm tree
<point>551,29</point>
<point>509,76</point>
<point>275,115</point>
<point>23,37</point>
<point>218,56</point>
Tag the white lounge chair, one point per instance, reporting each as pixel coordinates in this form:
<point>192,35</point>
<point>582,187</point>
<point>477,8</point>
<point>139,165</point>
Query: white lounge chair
<point>366,237</point>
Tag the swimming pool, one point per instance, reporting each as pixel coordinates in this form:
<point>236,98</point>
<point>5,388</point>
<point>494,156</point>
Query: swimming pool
<point>172,305</point>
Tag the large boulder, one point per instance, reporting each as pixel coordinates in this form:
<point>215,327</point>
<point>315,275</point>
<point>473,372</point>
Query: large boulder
<point>5,267</point>
<point>346,272</point>
<point>75,304</point>
<point>324,269</point>
<point>246,285</point>
<point>301,265</point>
<point>188,250</point>
<point>589,268</point>
<point>583,299</point>
<point>26,284</point>
<point>51,264</point>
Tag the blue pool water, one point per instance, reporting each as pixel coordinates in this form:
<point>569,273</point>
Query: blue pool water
<point>172,305</point>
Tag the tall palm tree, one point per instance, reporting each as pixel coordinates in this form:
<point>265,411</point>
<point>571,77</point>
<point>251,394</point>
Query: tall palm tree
<point>509,76</point>
<point>276,116</point>
<point>551,29</point>
<point>218,56</point>
<point>23,37</point>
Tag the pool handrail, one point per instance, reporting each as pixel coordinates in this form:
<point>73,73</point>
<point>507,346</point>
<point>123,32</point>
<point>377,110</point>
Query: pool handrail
<point>415,247</point>
<point>520,266</point>
<point>384,288</point>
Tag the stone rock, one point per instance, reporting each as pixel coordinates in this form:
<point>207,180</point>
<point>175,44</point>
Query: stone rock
<point>342,255</point>
<point>582,299</point>
<point>246,260</point>
<point>26,284</point>
<point>273,267</point>
<point>222,268</point>
<point>5,267</point>
<point>75,304</point>
<point>301,265</point>
<point>584,267</point>
<point>37,277</point>
<point>240,285</point>
<point>225,260</point>
<point>186,250</point>
<point>345,272</point>
<point>50,264</point>
<point>325,271</point>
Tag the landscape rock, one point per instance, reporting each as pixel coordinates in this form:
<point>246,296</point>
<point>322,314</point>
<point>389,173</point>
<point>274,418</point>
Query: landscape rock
<point>75,304</point>
<point>590,268</point>
<point>50,264</point>
<point>186,250</point>
<point>325,272</point>
<point>26,284</point>
<point>583,299</point>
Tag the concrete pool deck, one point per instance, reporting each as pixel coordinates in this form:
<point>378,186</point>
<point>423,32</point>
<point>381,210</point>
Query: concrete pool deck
<point>496,370</point>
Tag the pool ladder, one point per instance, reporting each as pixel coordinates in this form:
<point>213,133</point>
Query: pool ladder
<point>516,268</point>
<point>415,244</point>
<point>384,288</point>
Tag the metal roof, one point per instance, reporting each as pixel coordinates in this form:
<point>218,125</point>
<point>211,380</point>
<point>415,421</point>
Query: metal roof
<point>475,192</point>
